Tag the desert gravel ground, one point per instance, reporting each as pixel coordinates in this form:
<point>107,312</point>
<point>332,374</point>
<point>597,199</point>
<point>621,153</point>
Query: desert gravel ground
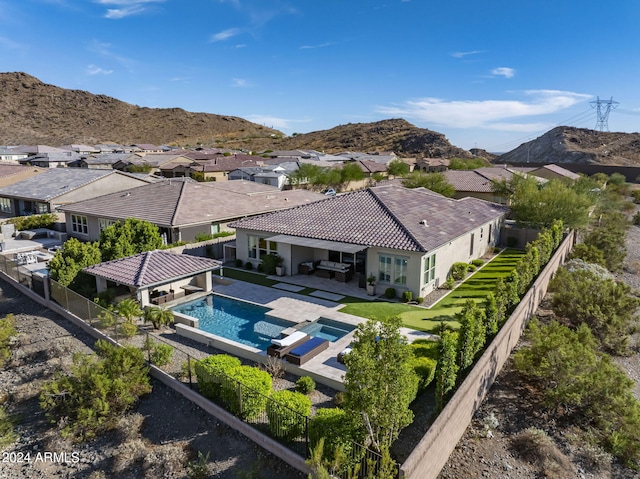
<point>156,440</point>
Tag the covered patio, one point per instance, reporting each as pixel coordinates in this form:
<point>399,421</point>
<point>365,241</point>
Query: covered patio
<point>156,277</point>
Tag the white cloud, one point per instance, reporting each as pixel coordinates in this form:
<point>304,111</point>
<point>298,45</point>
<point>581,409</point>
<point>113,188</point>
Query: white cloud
<point>224,35</point>
<point>486,113</point>
<point>96,70</point>
<point>274,122</point>
<point>321,45</point>
<point>129,7</point>
<point>503,71</point>
<point>464,54</point>
<point>105,50</point>
<point>10,44</point>
<point>240,83</point>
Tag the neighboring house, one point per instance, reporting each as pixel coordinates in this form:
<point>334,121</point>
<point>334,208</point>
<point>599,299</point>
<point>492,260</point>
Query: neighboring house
<point>384,158</point>
<point>147,148</point>
<point>81,149</point>
<point>10,174</point>
<point>432,165</point>
<point>273,175</point>
<point>156,276</point>
<point>46,192</point>
<point>407,238</point>
<point>52,160</point>
<point>11,156</point>
<point>102,161</point>
<point>181,208</point>
<point>153,161</point>
<point>554,172</point>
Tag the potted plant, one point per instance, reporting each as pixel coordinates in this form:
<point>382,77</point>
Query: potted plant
<point>371,284</point>
<point>279,267</point>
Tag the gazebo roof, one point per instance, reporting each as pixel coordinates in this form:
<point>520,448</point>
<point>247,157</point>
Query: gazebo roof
<point>152,267</point>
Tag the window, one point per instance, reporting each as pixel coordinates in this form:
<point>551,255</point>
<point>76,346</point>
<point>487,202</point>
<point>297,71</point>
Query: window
<point>42,208</point>
<point>259,247</point>
<point>5,205</point>
<point>79,224</point>
<point>393,269</point>
<point>104,223</point>
<point>429,269</point>
<point>473,235</point>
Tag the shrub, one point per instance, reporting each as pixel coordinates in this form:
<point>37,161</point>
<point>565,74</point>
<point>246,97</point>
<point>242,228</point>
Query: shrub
<point>287,412</point>
<point>128,330</point>
<point>248,265</point>
<point>419,300</point>
<point>636,219</point>
<point>161,354</point>
<point>459,270</point>
<point>477,262</point>
<point>449,283</point>
<point>34,221</point>
<point>636,196</point>
<point>305,385</point>
<point>535,446</point>
<point>407,296</point>
<point>248,399</point>
<point>425,368</point>
<point>7,330</point>
<point>7,436</point>
<point>238,263</point>
<point>212,371</point>
<point>260,268</point>
<point>390,293</point>
<point>471,268</point>
<point>203,237</point>
<point>338,428</point>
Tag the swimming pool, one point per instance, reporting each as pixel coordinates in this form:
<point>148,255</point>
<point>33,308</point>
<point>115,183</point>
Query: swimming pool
<point>235,320</point>
<point>327,329</point>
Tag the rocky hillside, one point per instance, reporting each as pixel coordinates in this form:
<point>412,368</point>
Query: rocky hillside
<point>36,113</point>
<point>395,135</point>
<point>566,144</point>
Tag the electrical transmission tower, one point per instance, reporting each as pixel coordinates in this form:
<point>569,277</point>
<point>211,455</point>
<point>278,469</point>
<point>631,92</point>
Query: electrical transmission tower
<point>603,108</point>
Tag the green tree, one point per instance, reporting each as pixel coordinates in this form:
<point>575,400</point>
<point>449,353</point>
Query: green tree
<point>491,314</point>
<point>609,236</point>
<point>328,177</point>
<point>472,333</point>
<point>67,264</point>
<point>588,253</point>
<point>447,368</point>
<point>98,390</point>
<point>380,382</point>
<point>467,163</point>
<point>606,306</point>
<point>351,172</point>
<point>539,207</point>
<point>127,238</point>
<point>397,168</point>
<point>306,173</point>
<point>433,181</point>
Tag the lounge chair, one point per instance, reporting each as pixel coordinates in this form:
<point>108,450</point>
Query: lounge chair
<point>279,348</point>
<point>306,351</point>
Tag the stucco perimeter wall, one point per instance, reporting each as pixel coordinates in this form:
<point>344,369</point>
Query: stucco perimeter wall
<point>433,451</point>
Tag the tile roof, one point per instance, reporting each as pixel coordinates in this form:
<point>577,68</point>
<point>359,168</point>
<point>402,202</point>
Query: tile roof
<point>152,267</point>
<point>173,203</point>
<point>55,182</point>
<point>559,170</point>
<point>9,170</point>
<point>386,216</point>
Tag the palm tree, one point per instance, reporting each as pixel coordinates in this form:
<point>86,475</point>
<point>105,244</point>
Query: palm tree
<point>129,309</point>
<point>158,316</point>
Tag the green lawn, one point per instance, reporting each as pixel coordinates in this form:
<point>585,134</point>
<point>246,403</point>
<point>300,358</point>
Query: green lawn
<point>476,287</point>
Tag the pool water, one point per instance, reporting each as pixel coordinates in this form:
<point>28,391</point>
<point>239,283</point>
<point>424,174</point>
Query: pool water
<point>326,329</point>
<point>235,320</point>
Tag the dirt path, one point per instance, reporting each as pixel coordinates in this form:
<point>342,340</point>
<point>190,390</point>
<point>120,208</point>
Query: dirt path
<point>157,440</point>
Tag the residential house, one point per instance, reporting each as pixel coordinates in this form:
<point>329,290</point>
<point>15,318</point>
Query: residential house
<point>8,155</point>
<point>181,208</point>
<point>407,239</point>
<point>432,165</point>
<point>103,161</point>
<point>478,183</point>
<point>146,148</point>
<point>52,160</point>
<point>81,149</point>
<point>47,191</point>
<point>10,174</point>
<point>554,172</point>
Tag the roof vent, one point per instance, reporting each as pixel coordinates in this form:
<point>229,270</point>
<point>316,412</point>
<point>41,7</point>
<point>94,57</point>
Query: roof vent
<point>424,222</point>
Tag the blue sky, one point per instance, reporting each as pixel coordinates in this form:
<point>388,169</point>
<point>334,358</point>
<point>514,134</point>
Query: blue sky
<point>490,74</point>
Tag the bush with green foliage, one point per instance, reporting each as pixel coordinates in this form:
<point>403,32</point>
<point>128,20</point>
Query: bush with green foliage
<point>419,300</point>
<point>238,263</point>
<point>269,262</point>
<point>609,236</point>
<point>212,371</point>
<point>449,283</point>
<point>157,316</point>
<point>636,219</point>
<point>97,392</point>
<point>67,264</point>
<point>248,266</point>
<point>202,237</point>
<point>583,386</point>
<point>432,181</point>
<point>459,270</point>
<point>635,194</point>
<point>390,293</point>
<point>161,354</point>
<point>472,333</point>
<point>477,262</point>
<point>128,330</point>
<point>407,296</point>
<point>7,435</point>
<point>7,331</point>
<point>467,163</point>
<point>425,359</point>
<point>249,399</point>
<point>31,222</point>
<point>471,268</point>
<point>447,368</point>
<point>305,385</point>
<point>129,237</point>
<point>339,428</point>
<point>288,412</point>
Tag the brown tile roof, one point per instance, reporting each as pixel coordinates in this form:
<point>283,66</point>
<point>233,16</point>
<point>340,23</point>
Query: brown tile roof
<point>172,203</point>
<point>152,267</point>
<point>385,216</point>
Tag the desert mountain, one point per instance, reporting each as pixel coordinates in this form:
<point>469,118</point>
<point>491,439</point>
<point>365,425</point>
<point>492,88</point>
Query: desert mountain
<point>37,113</point>
<point>395,135</point>
<point>565,144</point>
